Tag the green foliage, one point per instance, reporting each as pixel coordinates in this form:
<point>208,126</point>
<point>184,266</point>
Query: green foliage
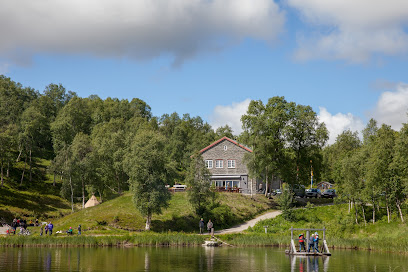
<point>148,170</point>
<point>285,202</point>
<point>284,138</point>
<point>198,181</point>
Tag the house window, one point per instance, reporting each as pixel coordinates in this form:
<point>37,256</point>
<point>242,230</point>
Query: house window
<point>225,147</point>
<point>231,163</point>
<point>209,163</point>
<point>219,164</point>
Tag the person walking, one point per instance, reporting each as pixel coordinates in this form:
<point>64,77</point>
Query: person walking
<point>41,230</point>
<point>79,230</point>
<point>201,225</point>
<point>46,229</point>
<point>311,243</point>
<point>316,242</point>
<point>210,225</point>
<point>301,242</point>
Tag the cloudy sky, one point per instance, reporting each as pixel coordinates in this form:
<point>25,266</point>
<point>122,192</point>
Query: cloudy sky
<point>345,58</point>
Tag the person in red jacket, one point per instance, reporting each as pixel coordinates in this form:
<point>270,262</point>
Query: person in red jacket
<point>302,242</point>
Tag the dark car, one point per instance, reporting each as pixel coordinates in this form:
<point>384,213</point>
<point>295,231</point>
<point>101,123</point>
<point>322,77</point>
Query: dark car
<point>313,193</point>
<point>329,193</point>
<point>299,190</point>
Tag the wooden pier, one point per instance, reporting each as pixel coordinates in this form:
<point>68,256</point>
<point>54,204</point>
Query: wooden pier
<point>293,246</point>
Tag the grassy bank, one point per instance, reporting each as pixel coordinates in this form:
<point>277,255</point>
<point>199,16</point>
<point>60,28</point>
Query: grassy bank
<point>142,239</point>
<point>342,231</point>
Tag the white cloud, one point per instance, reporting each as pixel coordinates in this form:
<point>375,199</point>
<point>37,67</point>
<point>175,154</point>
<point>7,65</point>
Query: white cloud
<point>339,122</point>
<point>142,29</point>
<point>392,107</point>
<point>352,30</point>
<point>229,115</point>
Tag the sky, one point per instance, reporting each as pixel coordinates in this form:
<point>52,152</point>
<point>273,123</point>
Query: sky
<point>209,58</point>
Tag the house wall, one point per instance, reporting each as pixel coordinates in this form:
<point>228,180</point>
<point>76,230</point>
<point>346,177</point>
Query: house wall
<point>233,152</point>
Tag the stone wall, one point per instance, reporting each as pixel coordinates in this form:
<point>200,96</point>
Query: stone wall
<point>232,152</point>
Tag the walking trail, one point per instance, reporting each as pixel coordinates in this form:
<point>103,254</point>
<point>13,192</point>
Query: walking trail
<point>250,223</point>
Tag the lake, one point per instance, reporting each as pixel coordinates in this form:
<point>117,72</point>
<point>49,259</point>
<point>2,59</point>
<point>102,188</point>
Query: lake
<point>192,259</point>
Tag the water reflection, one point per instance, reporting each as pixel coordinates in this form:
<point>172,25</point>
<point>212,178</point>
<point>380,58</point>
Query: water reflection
<point>192,259</point>
<point>308,263</point>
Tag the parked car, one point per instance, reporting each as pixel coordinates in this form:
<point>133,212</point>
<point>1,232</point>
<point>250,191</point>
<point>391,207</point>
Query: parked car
<point>276,192</point>
<point>329,193</point>
<point>313,193</point>
<point>299,190</point>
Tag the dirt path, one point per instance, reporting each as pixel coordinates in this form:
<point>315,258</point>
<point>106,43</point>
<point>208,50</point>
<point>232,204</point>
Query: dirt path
<point>250,223</point>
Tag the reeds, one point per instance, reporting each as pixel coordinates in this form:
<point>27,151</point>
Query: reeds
<point>142,239</point>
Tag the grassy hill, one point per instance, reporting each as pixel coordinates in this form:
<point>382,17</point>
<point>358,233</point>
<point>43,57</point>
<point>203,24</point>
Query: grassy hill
<point>30,200</point>
<point>41,199</point>
<point>120,215</point>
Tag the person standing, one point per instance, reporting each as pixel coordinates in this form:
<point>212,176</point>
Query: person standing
<point>46,229</point>
<point>210,225</point>
<point>316,242</point>
<point>201,225</point>
<point>41,230</point>
<point>79,230</point>
<point>311,243</point>
<point>302,242</point>
<point>50,227</point>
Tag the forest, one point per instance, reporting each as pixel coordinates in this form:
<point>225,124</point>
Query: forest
<point>108,146</point>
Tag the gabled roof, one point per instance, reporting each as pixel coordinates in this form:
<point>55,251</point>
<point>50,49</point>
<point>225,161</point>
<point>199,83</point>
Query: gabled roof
<point>222,139</point>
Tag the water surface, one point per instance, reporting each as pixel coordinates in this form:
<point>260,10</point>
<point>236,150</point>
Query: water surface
<point>192,259</point>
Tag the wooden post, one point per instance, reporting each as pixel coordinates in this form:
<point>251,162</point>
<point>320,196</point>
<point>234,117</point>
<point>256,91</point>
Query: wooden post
<point>291,233</point>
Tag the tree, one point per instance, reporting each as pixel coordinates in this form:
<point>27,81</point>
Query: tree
<point>399,182</point>
<point>306,137</point>
<point>148,169</point>
<point>7,133</point>
<point>198,181</point>
<point>34,132</point>
<point>75,117</point>
<point>264,127</point>
<point>378,169</point>
<point>81,149</point>
<point>225,131</point>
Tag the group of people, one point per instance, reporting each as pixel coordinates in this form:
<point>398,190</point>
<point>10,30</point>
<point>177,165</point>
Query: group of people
<point>201,225</point>
<point>70,231</point>
<point>48,229</point>
<point>18,223</point>
<point>313,242</point>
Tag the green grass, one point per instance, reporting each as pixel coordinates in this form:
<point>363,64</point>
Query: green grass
<point>31,200</point>
<point>141,239</point>
<point>120,216</point>
<point>341,230</point>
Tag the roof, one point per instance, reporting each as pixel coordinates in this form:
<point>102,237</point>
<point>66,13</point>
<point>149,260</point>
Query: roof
<point>222,139</point>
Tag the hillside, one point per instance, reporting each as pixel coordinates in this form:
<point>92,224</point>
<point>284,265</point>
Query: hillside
<point>38,199</point>
<point>120,214</point>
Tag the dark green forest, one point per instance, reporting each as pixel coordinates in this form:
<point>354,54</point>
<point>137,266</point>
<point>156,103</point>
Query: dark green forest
<point>108,146</point>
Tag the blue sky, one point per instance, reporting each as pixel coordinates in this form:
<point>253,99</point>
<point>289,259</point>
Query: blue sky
<point>347,59</point>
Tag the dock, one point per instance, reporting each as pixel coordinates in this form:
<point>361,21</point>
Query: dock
<point>294,246</point>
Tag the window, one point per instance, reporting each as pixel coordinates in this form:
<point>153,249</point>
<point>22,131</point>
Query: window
<point>209,163</point>
<point>225,147</point>
<point>231,163</point>
<point>219,164</point>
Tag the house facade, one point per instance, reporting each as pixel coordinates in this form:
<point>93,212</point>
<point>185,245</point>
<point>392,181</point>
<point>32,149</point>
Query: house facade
<point>225,161</point>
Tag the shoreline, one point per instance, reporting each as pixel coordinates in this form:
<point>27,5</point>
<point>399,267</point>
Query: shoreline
<point>179,240</point>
